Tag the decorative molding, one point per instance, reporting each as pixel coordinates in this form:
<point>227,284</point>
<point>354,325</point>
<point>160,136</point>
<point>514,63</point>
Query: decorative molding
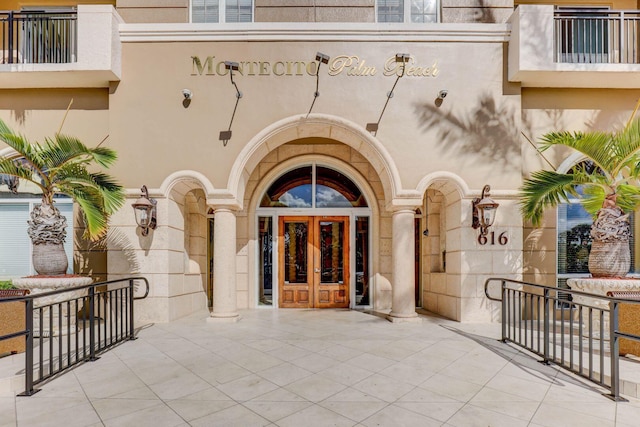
<point>363,32</point>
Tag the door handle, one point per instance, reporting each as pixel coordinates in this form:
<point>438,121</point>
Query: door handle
<point>317,270</point>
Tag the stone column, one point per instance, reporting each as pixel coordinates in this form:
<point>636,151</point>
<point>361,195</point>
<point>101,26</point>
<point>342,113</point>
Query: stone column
<point>225,305</point>
<point>403,306</point>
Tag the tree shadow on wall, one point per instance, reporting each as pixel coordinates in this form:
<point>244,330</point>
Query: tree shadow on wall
<point>488,129</point>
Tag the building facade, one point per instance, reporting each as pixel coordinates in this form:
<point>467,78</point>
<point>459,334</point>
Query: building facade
<point>305,154</point>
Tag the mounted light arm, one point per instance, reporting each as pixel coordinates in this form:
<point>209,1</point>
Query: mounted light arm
<point>484,211</point>
<point>401,58</point>
<point>145,211</point>
<point>322,59</point>
<point>225,135</point>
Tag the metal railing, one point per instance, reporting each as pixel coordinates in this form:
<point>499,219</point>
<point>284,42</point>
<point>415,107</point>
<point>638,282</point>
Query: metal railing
<point>38,37</point>
<point>74,328</point>
<point>596,36</point>
<point>579,335</point>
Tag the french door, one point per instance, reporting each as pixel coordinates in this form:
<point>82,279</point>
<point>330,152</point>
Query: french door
<point>313,257</point>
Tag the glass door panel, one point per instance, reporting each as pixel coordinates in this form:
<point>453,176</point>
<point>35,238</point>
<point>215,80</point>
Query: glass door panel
<point>331,252</point>
<point>362,261</point>
<point>266,256</point>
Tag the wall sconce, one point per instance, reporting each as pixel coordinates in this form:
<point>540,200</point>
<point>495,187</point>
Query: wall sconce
<point>145,211</point>
<point>401,58</point>
<point>225,135</point>
<point>322,59</point>
<point>484,211</point>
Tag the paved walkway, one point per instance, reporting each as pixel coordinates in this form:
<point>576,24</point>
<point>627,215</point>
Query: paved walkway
<point>316,368</point>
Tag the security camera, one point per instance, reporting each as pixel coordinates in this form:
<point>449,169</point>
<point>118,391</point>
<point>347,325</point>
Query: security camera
<point>442,94</point>
<point>186,93</point>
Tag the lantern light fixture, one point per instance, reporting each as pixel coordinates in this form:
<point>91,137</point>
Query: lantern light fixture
<point>145,211</point>
<point>484,211</point>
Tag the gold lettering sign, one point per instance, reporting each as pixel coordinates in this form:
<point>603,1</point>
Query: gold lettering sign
<point>349,65</point>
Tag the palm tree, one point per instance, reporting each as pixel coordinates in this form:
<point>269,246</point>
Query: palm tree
<point>60,165</point>
<point>607,184</point>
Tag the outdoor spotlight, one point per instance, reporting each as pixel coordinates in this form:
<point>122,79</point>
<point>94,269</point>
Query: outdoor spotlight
<point>322,58</point>
<point>187,94</point>
<point>483,211</point>
<point>225,136</point>
<point>403,57</point>
<point>443,94</point>
<point>372,127</point>
<point>145,211</point>
<point>230,65</point>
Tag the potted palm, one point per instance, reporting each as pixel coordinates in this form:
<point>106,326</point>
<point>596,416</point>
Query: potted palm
<point>60,165</point>
<point>607,184</point>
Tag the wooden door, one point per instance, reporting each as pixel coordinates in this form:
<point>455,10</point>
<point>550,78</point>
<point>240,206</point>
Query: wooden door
<point>313,255</point>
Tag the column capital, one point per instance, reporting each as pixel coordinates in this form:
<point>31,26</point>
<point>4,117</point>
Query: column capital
<point>224,206</point>
<point>404,203</point>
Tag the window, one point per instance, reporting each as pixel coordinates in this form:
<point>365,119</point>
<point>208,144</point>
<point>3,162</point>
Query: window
<point>15,245</point>
<point>221,11</point>
<point>416,11</point>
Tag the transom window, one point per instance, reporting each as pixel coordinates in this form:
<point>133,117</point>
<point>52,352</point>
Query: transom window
<point>416,11</point>
<point>313,187</point>
<point>203,11</point>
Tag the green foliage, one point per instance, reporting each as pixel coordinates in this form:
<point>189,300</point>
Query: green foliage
<point>64,165</point>
<point>615,157</point>
<point>6,284</point>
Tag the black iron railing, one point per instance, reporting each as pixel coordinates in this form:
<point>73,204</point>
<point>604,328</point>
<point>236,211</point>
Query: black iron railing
<point>38,37</point>
<point>581,336</point>
<point>74,328</point>
<point>596,36</point>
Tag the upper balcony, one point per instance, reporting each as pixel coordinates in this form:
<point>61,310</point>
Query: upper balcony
<point>586,48</point>
<point>60,50</point>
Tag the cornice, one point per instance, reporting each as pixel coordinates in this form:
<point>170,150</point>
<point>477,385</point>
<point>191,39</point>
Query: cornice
<point>329,32</point>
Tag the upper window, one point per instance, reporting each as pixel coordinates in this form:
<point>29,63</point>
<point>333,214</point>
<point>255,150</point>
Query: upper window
<point>417,11</point>
<point>221,10</point>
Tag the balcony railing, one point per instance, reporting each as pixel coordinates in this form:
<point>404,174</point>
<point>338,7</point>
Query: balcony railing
<point>38,37</point>
<point>596,36</point>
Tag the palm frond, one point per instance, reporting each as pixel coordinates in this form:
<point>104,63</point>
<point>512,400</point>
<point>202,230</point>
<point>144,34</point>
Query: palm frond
<point>544,189</point>
<point>90,203</point>
<point>627,147</point>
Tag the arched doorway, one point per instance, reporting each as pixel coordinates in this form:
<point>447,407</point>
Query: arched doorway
<point>314,227</point>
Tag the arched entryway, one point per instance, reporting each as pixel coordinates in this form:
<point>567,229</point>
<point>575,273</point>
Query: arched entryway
<point>314,234</point>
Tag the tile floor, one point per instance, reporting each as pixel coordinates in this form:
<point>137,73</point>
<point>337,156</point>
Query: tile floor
<point>316,368</point>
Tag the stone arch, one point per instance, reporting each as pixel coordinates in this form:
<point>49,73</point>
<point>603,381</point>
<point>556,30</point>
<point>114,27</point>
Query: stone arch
<point>185,180</point>
<point>316,125</point>
<point>448,183</point>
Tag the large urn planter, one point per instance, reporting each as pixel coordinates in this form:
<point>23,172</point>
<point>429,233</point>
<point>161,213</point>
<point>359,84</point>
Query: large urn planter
<point>609,259</point>
<point>49,259</point>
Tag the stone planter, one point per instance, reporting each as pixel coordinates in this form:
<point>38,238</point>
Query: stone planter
<point>37,285</point>
<point>600,286</point>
